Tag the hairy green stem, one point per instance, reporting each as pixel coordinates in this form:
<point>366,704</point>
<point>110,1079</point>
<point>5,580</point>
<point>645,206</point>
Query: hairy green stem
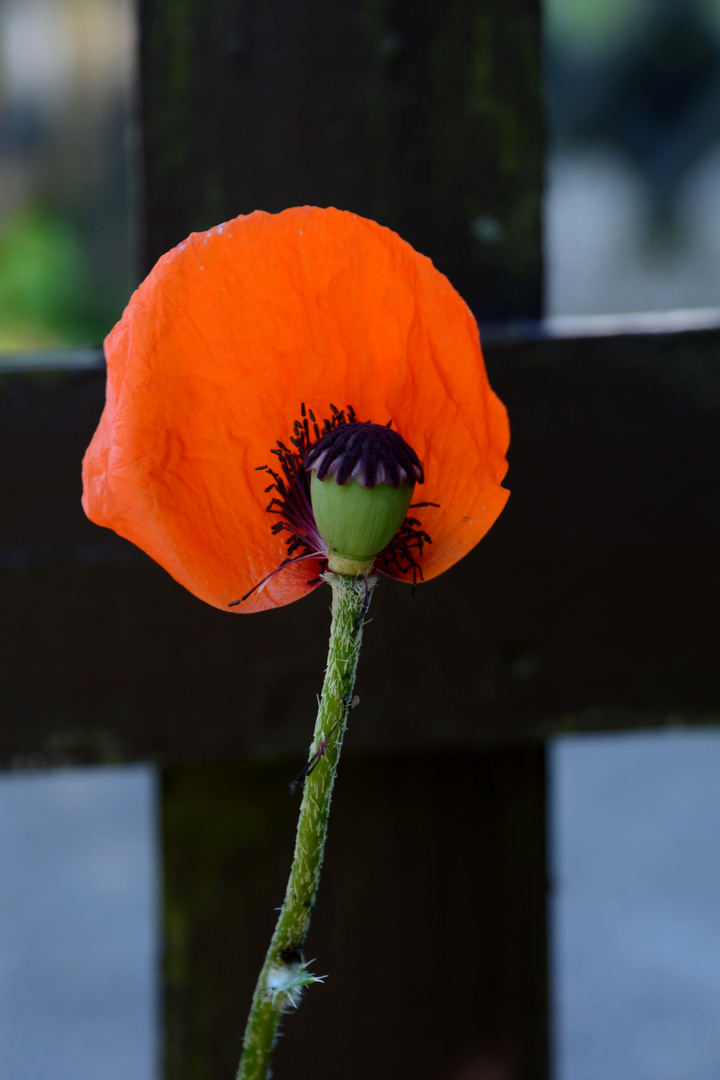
<point>284,973</point>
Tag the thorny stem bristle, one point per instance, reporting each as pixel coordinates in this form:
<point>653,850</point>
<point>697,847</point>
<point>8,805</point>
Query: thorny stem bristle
<point>284,973</point>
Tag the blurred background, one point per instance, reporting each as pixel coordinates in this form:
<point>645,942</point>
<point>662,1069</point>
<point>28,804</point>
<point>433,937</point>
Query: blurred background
<point>66,223</point>
<point>631,224</point>
<point>631,218</point>
<point>632,213</point>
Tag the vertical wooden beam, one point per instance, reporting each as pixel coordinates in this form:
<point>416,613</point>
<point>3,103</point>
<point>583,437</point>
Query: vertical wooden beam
<point>426,116</point>
<point>430,923</point>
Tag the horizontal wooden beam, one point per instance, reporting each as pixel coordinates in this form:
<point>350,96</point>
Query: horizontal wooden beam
<point>591,605</point>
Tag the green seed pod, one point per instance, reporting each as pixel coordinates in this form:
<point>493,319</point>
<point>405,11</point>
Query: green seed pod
<point>362,477</point>
<point>357,522</point>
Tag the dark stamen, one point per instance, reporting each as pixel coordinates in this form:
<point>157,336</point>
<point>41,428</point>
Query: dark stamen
<point>291,484</point>
<point>367,453</point>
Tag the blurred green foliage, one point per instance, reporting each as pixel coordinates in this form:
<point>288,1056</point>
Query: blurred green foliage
<point>47,297</point>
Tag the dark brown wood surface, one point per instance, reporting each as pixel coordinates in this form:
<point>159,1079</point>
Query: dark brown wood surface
<point>592,604</point>
<point>430,922</point>
<point>424,116</point>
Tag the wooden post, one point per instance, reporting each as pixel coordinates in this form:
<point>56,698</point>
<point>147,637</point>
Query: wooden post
<point>423,115</point>
<point>430,923</point>
<point>427,117</point>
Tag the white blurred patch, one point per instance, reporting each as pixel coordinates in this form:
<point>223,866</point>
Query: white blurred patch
<point>599,254</point>
<point>635,837</point>
<point>79,940</point>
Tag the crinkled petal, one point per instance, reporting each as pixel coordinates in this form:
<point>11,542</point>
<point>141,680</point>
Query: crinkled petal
<point>214,355</point>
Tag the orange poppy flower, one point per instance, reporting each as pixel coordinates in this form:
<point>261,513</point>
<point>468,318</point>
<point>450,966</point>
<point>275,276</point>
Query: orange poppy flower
<point>235,332</point>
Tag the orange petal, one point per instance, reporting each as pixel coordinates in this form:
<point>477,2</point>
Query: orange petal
<point>212,358</point>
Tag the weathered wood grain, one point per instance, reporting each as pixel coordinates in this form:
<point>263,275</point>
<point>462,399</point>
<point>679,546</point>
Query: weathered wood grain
<point>424,116</point>
<point>430,922</point>
<point>594,599</point>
